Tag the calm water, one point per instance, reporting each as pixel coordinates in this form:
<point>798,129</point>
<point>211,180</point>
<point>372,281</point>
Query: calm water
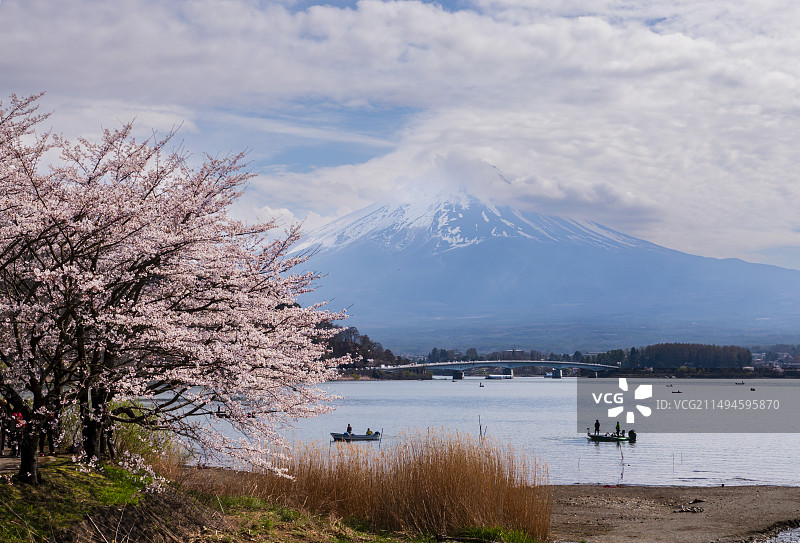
<point>537,416</point>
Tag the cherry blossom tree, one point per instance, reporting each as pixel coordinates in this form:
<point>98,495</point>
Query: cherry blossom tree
<point>123,277</point>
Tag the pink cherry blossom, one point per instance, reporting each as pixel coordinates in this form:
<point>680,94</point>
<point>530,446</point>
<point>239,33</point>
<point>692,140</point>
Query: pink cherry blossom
<point>122,277</point>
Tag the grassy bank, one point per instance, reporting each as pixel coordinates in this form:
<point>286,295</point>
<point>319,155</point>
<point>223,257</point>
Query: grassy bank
<point>427,486</point>
<point>75,505</point>
<point>67,496</point>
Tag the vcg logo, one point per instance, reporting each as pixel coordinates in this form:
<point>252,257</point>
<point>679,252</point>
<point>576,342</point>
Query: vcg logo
<point>617,399</point>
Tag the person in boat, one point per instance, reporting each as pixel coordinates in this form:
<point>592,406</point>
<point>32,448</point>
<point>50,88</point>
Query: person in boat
<point>349,429</point>
<point>597,426</point>
<point>369,432</point>
<point>617,427</point>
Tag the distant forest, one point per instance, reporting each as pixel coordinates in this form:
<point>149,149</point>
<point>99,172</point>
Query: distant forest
<point>663,355</point>
<point>691,355</point>
<point>365,352</point>
<point>362,350</point>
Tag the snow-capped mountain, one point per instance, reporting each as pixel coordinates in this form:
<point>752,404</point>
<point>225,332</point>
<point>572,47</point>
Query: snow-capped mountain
<point>454,221</point>
<point>453,271</point>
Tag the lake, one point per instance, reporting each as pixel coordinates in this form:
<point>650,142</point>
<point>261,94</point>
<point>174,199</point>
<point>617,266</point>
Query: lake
<point>538,417</point>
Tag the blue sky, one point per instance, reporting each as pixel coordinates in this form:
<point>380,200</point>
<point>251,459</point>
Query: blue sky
<point>674,121</point>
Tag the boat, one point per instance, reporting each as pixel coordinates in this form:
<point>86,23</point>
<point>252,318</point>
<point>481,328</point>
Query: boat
<point>611,438</point>
<point>739,383</point>
<point>355,437</point>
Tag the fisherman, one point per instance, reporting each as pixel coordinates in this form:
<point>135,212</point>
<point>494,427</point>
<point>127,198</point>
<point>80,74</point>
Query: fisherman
<point>349,429</point>
<point>596,426</point>
<point>617,427</point>
<point>369,432</point>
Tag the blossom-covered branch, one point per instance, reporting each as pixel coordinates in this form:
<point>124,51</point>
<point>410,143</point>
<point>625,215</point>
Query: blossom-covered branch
<point>123,277</point>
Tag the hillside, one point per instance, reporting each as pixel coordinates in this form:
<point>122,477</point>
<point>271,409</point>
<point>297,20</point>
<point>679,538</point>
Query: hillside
<point>457,271</point>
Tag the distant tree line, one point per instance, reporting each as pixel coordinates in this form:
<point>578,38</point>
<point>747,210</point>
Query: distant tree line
<point>692,355</point>
<point>362,350</point>
<point>472,355</point>
<point>662,355</point>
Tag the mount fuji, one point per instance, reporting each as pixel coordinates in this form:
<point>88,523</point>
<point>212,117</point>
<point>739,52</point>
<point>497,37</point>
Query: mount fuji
<point>454,271</point>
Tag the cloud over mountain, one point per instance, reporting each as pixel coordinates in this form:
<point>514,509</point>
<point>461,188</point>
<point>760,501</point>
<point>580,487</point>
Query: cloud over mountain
<point>454,270</point>
<point>675,121</point>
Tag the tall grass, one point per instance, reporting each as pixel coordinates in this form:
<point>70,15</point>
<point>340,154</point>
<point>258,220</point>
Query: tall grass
<point>430,483</point>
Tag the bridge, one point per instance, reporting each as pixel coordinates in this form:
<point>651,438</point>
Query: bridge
<point>459,367</point>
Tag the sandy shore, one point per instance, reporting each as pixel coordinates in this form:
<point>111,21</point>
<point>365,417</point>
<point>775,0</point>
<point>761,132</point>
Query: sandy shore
<point>599,514</point>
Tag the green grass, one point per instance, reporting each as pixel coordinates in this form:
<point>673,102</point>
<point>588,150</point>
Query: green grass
<point>227,504</point>
<point>34,513</point>
<point>497,534</point>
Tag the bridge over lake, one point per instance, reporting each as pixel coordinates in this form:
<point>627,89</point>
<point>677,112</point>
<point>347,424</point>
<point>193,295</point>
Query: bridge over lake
<point>459,367</point>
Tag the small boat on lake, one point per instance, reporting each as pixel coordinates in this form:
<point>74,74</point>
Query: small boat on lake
<point>355,437</point>
<point>611,438</point>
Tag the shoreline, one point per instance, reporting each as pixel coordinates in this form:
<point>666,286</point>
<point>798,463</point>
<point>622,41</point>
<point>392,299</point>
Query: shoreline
<point>672,514</point>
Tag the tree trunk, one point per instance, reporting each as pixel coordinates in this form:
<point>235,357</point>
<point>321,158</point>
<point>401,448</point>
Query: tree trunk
<point>28,457</point>
<point>95,418</point>
<point>92,431</point>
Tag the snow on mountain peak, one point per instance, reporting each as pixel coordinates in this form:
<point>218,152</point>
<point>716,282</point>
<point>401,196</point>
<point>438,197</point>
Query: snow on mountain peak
<point>449,220</point>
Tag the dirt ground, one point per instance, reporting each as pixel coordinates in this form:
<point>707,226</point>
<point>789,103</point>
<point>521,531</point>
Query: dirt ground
<point>10,465</point>
<point>600,514</point>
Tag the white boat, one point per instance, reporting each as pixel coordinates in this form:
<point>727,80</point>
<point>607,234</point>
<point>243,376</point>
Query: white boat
<point>355,437</point>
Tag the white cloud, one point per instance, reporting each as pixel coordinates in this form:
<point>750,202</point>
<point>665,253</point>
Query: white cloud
<point>246,210</point>
<point>86,118</point>
<point>294,129</point>
<point>674,121</point>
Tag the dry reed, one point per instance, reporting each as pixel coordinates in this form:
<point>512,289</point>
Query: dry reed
<point>432,483</point>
